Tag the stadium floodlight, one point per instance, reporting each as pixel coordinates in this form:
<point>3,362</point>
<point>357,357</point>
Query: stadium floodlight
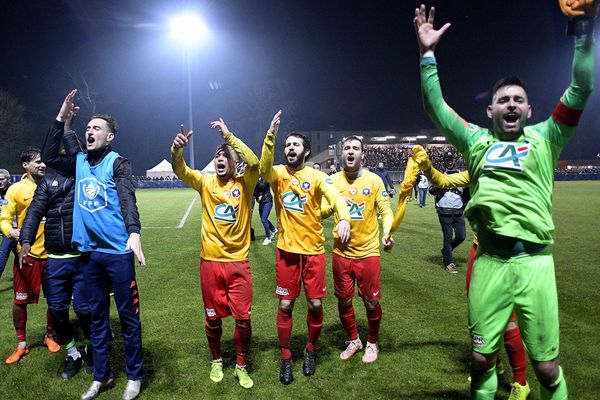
<point>189,29</point>
<point>421,137</point>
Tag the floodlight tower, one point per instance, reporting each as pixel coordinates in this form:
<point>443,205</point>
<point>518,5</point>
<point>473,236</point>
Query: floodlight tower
<point>189,29</point>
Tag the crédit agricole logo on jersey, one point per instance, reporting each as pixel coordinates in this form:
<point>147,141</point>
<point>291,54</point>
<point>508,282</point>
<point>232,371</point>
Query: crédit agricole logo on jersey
<point>506,156</point>
<point>355,209</point>
<point>294,201</point>
<point>91,194</point>
<point>226,213</point>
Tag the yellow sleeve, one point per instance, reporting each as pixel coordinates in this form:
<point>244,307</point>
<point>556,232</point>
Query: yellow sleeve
<point>192,177</point>
<point>335,199</point>
<point>8,213</point>
<point>251,172</point>
<point>267,157</point>
<point>447,181</point>
<point>410,177</point>
<point>326,209</point>
<point>384,206</point>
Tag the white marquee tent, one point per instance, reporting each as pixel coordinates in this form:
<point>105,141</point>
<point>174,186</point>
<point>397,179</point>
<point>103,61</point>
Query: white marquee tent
<point>162,170</point>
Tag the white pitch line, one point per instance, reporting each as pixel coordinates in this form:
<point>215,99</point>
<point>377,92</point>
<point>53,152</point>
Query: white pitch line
<point>187,212</point>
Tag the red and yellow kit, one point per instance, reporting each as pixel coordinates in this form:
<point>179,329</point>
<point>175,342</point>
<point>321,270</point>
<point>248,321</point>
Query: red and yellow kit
<point>225,234</point>
<point>19,197</point>
<point>364,197</point>
<point>298,196</point>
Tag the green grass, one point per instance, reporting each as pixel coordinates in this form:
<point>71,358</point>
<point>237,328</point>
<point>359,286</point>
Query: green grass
<point>424,338</point>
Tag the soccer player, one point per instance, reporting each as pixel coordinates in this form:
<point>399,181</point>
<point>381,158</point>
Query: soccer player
<point>511,168</point>
<point>300,247</point>
<point>7,244</point>
<point>225,278</point>
<point>53,200</point>
<point>357,262</point>
<point>513,343</point>
<point>28,278</point>
<point>106,230</point>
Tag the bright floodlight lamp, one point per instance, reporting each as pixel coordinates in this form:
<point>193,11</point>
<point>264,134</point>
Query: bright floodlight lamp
<point>188,28</point>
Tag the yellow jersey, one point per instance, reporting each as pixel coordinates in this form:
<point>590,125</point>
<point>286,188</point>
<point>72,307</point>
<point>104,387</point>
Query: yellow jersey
<point>298,196</point>
<point>226,206</point>
<point>365,197</point>
<point>18,198</point>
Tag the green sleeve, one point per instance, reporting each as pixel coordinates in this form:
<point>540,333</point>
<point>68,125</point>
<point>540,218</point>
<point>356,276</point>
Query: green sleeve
<point>582,78</point>
<point>458,131</point>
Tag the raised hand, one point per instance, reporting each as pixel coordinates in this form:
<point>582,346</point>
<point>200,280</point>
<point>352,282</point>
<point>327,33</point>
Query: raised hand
<point>181,140</point>
<point>421,158</point>
<point>68,110</point>
<point>275,123</point>
<point>223,129</point>
<point>427,36</point>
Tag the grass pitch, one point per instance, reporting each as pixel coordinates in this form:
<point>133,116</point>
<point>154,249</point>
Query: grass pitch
<point>424,339</point>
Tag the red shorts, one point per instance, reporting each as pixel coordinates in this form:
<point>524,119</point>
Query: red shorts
<point>365,271</point>
<point>226,289</point>
<point>28,280</point>
<point>291,267</point>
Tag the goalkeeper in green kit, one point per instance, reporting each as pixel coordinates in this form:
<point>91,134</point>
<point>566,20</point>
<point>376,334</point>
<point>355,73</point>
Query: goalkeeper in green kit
<point>511,171</point>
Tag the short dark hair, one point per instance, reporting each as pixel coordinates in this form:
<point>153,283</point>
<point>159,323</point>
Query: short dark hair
<point>110,120</point>
<point>226,148</point>
<point>305,142</point>
<point>512,80</point>
<point>353,137</point>
<point>30,154</point>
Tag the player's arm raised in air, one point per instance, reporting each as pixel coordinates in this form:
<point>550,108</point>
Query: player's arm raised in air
<point>454,128</point>
<point>190,176</point>
<point>65,165</point>
<point>267,156</point>
<point>565,117</point>
<point>438,178</point>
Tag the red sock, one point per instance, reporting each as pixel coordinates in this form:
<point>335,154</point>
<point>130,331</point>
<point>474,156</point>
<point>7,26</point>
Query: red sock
<point>213,334</point>
<point>516,354</point>
<point>20,321</point>
<point>284,331</point>
<point>348,319</point>
<point>49,326</point>
<point>314,321</point>
<point>374,317</point>
<point>241,336</point>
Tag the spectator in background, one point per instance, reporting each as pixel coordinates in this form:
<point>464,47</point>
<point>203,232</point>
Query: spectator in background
<point>385,177</point>
<point>7,244</point>
<point>317,166</point>
<point>423,186</point>
<point>264,198</point>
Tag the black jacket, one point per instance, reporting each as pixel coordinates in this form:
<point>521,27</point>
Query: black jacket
<point>263,190</point>
<point>450,201</point>
<point>53,199</point>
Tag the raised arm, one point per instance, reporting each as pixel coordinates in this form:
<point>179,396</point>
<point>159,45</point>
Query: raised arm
<point>190,176</point>
<point>267,156</point>
<point>438,178</point>
<point>65,165</point>
<point>454,128</point>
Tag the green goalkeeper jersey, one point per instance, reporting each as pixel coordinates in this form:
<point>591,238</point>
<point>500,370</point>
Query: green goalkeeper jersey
<point>511,182</point>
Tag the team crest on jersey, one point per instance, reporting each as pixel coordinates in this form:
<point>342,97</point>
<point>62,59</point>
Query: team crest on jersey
<point>366,191</point>
<point>306,185</point>
<point>294,201</point>
<point>91,194</point>
<point>295,181</point>
<point>478,340</point>
<point>329,181</point>
<point>352,191</point>
<point>226,213</point>
<point>506,156</point>
<point>227,194</point>
<point>356,210</point>
<point>235,192</point>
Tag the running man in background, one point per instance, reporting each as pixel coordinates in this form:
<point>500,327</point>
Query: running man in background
<point>357,261</point>
<point>511,169</point>
<point>300,256</point>
<point>225,278</point>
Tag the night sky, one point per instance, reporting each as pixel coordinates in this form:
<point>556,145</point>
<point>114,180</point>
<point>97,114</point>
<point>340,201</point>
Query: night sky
<point>331,65</point>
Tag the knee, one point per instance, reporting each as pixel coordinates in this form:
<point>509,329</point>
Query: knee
<point>286,306</point>
<point>315,305</point>
<point>547,372</point>
<point>213,323</point>
<point>242,323</point>
<point>370,304</point>
<point>482,362</point>
<point>345,302</point>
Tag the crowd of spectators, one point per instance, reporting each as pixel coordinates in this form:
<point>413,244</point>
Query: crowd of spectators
<point>395,156</point>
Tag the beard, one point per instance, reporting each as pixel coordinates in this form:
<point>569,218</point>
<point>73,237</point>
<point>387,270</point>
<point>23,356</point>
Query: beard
<point>296,163</point>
